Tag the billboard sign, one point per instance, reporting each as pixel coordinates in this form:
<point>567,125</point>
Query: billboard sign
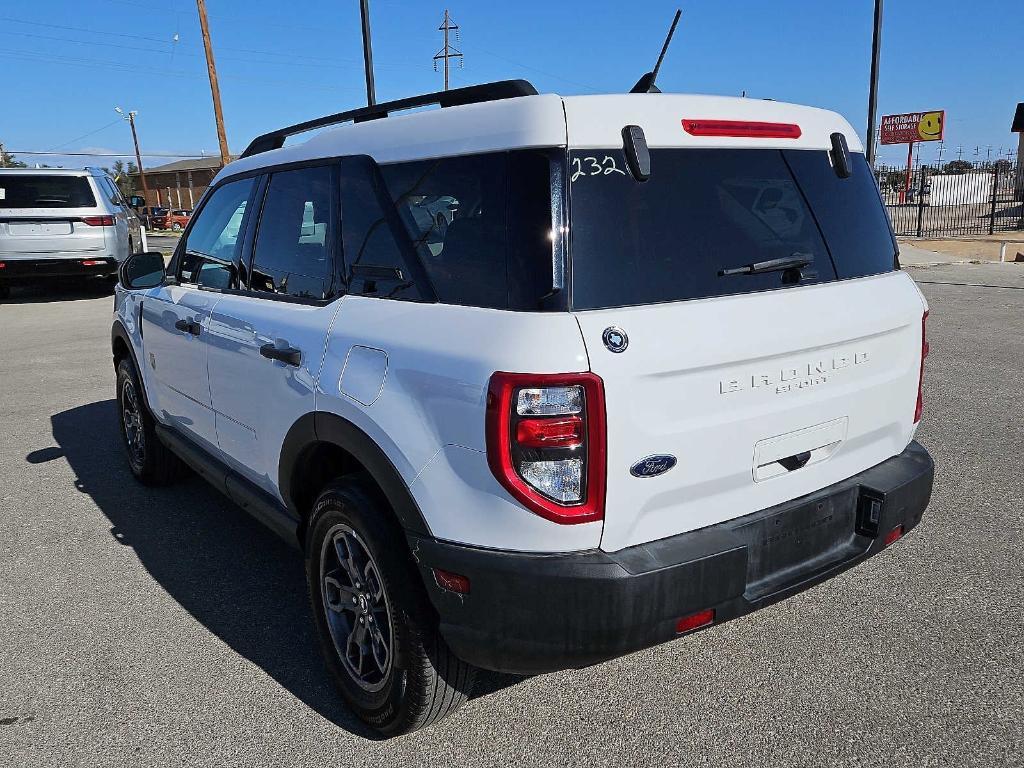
<point>913,127</point>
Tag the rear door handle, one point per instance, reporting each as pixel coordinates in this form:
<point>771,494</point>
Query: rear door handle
<point>188,326</point>
<point>288,355</point>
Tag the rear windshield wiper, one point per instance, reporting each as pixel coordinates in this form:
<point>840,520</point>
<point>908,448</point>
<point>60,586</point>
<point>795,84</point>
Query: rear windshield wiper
<point>796,261</point>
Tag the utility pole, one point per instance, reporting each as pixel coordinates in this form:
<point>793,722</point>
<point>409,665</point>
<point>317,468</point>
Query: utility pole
<point>448,51</point>
<point>364,15</point>
<point>211,67</point>
<point>876,49</point>
<point>130,117</point>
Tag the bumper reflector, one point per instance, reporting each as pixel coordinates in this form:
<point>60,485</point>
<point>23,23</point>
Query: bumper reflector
<point>93,262</point>
<point>695,621</point>
<point>894,535</point>
<point>453,582</point>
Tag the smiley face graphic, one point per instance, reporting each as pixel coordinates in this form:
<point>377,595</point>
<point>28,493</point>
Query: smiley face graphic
<point>930,127</point>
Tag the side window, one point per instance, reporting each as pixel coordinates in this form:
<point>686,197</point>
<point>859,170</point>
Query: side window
<point>110,190</point>
<point>293,245</point>
<point>374,261</point>
<point>213,242</point>
<point>481,225</point>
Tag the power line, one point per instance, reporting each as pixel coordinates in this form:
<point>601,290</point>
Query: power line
<point>85,135</point>
<point>448,51</point>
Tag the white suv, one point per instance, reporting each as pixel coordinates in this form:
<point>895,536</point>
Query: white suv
<point>660,369</point>
<point>63,223</point>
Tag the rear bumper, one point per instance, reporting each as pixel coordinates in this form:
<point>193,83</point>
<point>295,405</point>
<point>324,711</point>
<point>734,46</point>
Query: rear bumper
<point>532,613</point>
<point>85,264</point>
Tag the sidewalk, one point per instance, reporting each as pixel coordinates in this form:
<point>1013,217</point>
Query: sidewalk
<point>964,249</point>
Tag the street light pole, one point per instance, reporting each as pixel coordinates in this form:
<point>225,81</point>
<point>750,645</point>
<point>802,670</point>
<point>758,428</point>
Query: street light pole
<point>876,47</point>
<point>130,117</point>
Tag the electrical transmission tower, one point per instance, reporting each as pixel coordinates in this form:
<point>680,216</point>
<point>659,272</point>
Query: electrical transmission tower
<point>448,51</point>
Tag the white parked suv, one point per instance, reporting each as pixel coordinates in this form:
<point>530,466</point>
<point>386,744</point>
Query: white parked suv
<point>57,223</point>
<point>662,369</point>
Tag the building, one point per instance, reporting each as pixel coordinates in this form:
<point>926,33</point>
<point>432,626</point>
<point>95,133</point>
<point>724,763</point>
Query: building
<point>179,184</point>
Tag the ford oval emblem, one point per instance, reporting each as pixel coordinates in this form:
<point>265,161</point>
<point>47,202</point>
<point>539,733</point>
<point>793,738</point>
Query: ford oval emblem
<point>652,466</point>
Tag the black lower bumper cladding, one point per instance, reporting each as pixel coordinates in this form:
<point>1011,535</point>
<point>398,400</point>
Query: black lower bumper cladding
<point>531,613</point>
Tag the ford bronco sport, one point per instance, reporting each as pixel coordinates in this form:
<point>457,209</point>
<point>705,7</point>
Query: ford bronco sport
<point>660,368</point>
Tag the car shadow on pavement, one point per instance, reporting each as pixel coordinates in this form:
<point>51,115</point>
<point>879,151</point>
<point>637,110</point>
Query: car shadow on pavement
<point>58,290</point>
<point>234,576</point>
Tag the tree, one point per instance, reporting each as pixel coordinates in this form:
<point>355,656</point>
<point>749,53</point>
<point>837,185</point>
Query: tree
<point>122,174</point>
<point>7,160</point>
<point>957,166</point>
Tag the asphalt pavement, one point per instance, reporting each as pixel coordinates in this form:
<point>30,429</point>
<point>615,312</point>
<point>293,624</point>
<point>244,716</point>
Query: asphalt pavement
<point>164,627</point>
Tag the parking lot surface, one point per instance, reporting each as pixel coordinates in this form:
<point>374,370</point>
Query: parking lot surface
<point>160,627</point>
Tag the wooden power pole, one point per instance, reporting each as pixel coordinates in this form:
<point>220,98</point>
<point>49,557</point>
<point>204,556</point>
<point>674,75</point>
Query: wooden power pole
<point>211,66</point>
<point>448,51</point>
<point>138,159</point>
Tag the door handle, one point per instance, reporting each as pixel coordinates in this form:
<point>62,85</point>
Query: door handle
<point>288,355</point>
<point>188,326</point>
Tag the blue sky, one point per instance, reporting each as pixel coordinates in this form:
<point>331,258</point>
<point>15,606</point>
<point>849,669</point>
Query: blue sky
<point>67,63</point>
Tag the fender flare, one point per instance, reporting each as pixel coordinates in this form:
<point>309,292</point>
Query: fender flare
<point>119,332</point>
<point>323,427</point>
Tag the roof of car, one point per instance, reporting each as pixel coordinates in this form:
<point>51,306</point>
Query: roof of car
<point>550,120</point>
<point>57,171</point>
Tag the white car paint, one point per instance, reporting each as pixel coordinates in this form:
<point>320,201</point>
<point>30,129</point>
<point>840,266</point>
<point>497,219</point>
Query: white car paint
<point>701,379</point>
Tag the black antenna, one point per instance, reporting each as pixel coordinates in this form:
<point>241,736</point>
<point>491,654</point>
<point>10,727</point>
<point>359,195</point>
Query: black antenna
<point>364,14</point>
<point>646,83</point>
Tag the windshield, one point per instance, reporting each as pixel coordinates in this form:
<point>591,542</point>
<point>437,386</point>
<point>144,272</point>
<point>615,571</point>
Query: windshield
<point>45,191</point>
<point>708,220</point>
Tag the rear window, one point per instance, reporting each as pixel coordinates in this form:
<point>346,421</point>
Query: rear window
<point>42,191</point>
<point>705,212</point>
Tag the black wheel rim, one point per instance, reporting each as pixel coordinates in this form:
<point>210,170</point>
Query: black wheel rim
<point>131,418</point>
<point>356,607</point>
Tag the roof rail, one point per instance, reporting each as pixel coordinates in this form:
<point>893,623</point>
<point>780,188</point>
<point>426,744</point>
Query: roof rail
<point>473,94</point>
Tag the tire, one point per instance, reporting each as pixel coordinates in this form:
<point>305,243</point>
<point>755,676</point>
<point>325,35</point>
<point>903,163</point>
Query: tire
<point>417,680</point>
<point>150,461</point>
<point>176,227</point>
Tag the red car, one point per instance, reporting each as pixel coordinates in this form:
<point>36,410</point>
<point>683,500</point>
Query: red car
<point>175,221</point>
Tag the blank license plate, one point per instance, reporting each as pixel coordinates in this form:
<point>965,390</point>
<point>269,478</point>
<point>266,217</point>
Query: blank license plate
<point>39,227</point>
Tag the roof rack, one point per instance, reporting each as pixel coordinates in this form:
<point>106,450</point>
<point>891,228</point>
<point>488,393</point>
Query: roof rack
<point>473,94</point>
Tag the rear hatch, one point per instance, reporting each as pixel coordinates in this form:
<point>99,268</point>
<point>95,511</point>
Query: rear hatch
<point>763,385</point>
<point>48,216</point>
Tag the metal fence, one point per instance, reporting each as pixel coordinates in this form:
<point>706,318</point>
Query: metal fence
<point>955,198</point>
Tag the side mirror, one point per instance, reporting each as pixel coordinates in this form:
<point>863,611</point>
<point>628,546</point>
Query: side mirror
<point>142,270</point>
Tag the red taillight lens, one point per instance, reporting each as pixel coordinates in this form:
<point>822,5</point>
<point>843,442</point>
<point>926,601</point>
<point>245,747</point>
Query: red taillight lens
<point>550,433</point>
<point>93,262</point>
<point>546,442</point>
<point>919,409</point>
<point>99,221</point>
<point>695,621</point>
<point>743,128</point>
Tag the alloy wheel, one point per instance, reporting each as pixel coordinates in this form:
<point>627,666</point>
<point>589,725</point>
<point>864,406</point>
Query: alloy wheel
<point>356,607</point>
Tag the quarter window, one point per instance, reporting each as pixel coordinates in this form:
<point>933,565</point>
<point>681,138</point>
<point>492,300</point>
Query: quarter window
<point>292,256</point>
<point>213,244</point>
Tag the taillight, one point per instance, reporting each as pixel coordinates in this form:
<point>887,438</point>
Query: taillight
<point>546,442</point>
<point>99,221</point>
<point>919,409</point>
<point>744,128</point>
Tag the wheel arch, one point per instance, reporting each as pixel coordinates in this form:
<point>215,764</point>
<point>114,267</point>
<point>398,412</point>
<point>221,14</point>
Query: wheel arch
<point>121,347</point>
<point>320,447</point>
